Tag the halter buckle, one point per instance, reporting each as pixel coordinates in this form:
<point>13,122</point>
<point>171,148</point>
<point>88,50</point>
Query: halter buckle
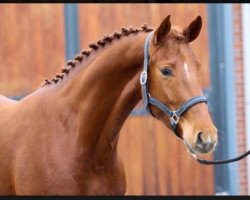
<point>143,77</point>
<point>174,118</point>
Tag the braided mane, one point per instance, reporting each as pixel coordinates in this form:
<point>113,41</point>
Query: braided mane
<point>94,46</point>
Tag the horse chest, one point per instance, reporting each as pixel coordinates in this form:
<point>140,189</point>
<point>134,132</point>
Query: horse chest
<point>109,181</point>
<point>106,185</point>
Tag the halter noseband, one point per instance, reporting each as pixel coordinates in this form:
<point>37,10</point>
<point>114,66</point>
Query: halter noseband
<point>148,99</point>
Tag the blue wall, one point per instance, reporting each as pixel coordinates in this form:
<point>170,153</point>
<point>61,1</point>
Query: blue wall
<point>222,95</point>
<point>71,30</point>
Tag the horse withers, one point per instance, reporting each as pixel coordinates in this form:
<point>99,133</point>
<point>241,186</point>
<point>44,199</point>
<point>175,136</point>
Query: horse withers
<point>62,138</point>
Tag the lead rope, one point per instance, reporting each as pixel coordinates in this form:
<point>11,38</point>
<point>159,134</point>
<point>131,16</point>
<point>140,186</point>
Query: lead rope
<point>216,162</point>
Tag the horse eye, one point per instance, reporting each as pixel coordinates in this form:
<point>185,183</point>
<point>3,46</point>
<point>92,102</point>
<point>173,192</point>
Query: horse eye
<point>166,72</point>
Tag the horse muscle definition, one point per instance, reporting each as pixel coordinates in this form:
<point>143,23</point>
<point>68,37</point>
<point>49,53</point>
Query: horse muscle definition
<point>62,138</point>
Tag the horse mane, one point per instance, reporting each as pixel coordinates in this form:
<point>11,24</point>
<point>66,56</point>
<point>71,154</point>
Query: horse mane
<point>94,46</point>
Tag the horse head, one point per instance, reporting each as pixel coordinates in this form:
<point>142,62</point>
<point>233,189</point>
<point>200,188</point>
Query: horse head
<point>174,77</point>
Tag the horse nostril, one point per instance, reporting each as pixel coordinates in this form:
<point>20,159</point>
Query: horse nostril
<point>204,143</point>
<point>199,139</point>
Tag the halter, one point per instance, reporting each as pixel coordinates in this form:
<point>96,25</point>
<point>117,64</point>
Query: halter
<point>148,99</point>
<point>174,114</point>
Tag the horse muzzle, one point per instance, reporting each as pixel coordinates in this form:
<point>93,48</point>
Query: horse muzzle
<point>204,143</point>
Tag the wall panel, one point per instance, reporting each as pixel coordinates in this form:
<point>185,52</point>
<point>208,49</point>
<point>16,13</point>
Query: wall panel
<point>32,46</point>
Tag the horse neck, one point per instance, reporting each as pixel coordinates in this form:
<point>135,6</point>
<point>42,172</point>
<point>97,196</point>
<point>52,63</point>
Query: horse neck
<point>104,93</point>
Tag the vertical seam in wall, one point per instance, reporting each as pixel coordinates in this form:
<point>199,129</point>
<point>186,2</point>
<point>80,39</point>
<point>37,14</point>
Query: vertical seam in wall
<point>71,29</point>
<point>231,113</point>
<point>239,81</point>
<point>222,96</point>
<point>246,64</point>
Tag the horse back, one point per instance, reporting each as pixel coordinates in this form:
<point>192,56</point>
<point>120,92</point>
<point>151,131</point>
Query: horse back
<point>5,100</point>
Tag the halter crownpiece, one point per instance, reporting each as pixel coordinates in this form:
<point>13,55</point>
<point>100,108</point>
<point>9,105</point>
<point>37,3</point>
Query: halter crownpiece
<point>176,114</point>
<point>148,99</point>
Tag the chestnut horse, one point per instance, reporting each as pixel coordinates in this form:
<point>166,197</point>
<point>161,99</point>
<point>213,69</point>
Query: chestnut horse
<point>62,138</point>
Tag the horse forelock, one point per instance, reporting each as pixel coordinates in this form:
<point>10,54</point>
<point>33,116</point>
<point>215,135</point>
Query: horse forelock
<point>93,47</point>
<point>177,34</point>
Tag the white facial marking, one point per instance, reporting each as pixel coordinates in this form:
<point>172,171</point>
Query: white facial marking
<point>186,69</point>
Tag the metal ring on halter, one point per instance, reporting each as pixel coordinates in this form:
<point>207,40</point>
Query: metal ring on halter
<point>143,78</point>
<point>174,118</point>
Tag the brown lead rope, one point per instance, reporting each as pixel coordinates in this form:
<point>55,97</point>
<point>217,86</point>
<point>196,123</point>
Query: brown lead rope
<point>216,162</point>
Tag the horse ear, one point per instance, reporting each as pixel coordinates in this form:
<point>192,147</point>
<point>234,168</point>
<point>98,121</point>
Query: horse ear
<point>192,31</point>
<point>162,30</point>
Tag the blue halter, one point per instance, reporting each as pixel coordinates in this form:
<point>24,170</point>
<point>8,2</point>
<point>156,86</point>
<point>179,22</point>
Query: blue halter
<point>147,99</point>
